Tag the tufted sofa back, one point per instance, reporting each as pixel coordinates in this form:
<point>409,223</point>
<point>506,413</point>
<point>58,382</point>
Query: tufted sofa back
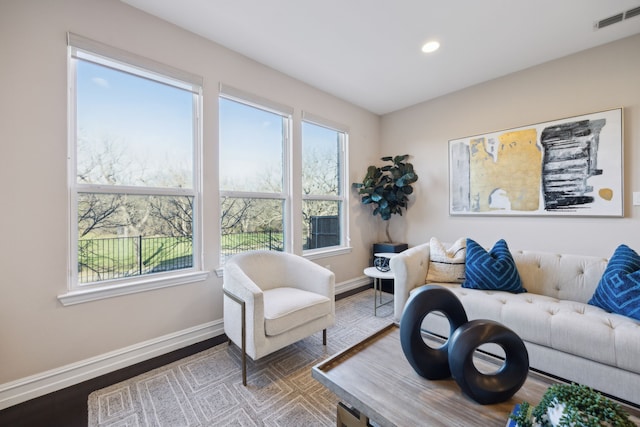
<point>567,277</point>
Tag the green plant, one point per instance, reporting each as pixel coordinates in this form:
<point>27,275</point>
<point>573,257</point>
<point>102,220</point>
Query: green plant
<point>388,187</point>
<point>583,407</point>
<point>523,416</point>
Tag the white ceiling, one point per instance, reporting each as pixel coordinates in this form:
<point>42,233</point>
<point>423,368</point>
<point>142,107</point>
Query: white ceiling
<point>368,51</point>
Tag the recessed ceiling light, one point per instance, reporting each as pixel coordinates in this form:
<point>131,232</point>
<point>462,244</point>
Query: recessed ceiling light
<point>430,47</point>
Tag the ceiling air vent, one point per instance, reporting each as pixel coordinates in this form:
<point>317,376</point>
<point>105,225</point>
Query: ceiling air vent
<point>617,18</point>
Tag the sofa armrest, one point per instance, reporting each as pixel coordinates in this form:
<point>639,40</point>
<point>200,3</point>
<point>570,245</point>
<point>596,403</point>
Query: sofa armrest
<point>409,270</point>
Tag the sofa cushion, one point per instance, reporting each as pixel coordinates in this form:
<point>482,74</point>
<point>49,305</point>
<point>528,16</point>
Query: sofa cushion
<point>493,270</point>
<point>446,265</point>
<point>287,308</point>
<point>619,288</point>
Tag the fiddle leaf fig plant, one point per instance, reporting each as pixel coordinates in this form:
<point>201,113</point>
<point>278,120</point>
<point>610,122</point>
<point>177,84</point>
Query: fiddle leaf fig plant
<point>388,187</point>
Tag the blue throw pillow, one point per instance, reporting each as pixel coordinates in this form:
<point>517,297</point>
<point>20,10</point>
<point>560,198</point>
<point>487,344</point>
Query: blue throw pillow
<point>619,287</point>
<point>492,271</point>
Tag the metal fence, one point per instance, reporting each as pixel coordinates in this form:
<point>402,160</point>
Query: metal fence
<point>118,257</point>
<point>113,258</point>
<point>235,243</point>
<point>323,231</point>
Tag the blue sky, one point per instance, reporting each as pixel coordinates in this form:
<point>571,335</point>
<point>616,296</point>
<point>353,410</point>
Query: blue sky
<point>152,121</point>
<point>251,145</point>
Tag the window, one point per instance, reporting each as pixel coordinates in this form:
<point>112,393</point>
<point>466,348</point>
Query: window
<point>323,192</point>
<point>134,172</point>
<point>256,157</point>
<point>254,137</point>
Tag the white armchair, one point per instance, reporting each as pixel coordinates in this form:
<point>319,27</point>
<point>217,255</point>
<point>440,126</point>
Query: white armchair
<point>273,299</point>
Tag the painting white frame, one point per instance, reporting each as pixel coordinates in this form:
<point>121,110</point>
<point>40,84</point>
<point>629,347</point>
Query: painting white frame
<point>566,167</point>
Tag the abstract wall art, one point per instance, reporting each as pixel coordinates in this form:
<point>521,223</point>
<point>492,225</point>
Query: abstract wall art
<point>566,167</point>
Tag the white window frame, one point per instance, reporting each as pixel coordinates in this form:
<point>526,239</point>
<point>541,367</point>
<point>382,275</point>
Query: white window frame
<point>89,50</point>
<point>292,226</point>
<point>254,101</point>
<point>343,162</point>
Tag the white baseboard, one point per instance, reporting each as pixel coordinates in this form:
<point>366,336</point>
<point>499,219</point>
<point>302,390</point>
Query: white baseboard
<point>27,388</point>
<point>352,284</point>
<point>24,389</point>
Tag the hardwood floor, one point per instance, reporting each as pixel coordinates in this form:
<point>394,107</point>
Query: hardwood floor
<point>68,407</point>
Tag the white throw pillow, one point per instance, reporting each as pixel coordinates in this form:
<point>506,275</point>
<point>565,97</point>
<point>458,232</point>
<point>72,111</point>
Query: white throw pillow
<point>447,265</point>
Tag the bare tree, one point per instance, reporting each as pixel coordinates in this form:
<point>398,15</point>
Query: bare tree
<point>319,173</point>
<point>234,213</point>
<point>173,216</point>
<point>320,177</point>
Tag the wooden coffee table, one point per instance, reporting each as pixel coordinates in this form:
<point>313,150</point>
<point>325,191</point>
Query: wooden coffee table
<point>376,382</point>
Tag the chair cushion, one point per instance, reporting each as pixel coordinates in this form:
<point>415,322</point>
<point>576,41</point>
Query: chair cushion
<point>287,308</point>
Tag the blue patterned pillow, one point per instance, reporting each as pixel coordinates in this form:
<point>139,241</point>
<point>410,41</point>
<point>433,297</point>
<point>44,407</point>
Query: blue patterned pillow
<point>492,271</point>
<point>619,287</point>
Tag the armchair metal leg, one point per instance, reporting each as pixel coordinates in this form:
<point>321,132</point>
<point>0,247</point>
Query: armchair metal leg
<point>324,337</point>
<point>244,334</point>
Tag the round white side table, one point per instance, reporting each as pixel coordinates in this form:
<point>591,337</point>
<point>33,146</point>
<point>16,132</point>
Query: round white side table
<point>377,277</point>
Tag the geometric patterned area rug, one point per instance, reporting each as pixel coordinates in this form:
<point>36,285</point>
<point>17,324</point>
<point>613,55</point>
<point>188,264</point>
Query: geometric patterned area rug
<point>206,389</point>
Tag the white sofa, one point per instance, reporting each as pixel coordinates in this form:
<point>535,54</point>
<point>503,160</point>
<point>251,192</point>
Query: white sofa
<point>564,335</point>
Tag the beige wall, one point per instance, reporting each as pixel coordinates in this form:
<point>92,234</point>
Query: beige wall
<point>37,333</point>
<point>595,80</point>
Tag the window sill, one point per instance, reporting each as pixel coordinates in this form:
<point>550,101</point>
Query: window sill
<point>80,296</point>
<point>324,253</point>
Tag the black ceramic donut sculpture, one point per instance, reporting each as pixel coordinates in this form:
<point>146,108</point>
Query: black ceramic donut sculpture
<point>428,362</point>
<point>492,387</point>
<point>455,356</point>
